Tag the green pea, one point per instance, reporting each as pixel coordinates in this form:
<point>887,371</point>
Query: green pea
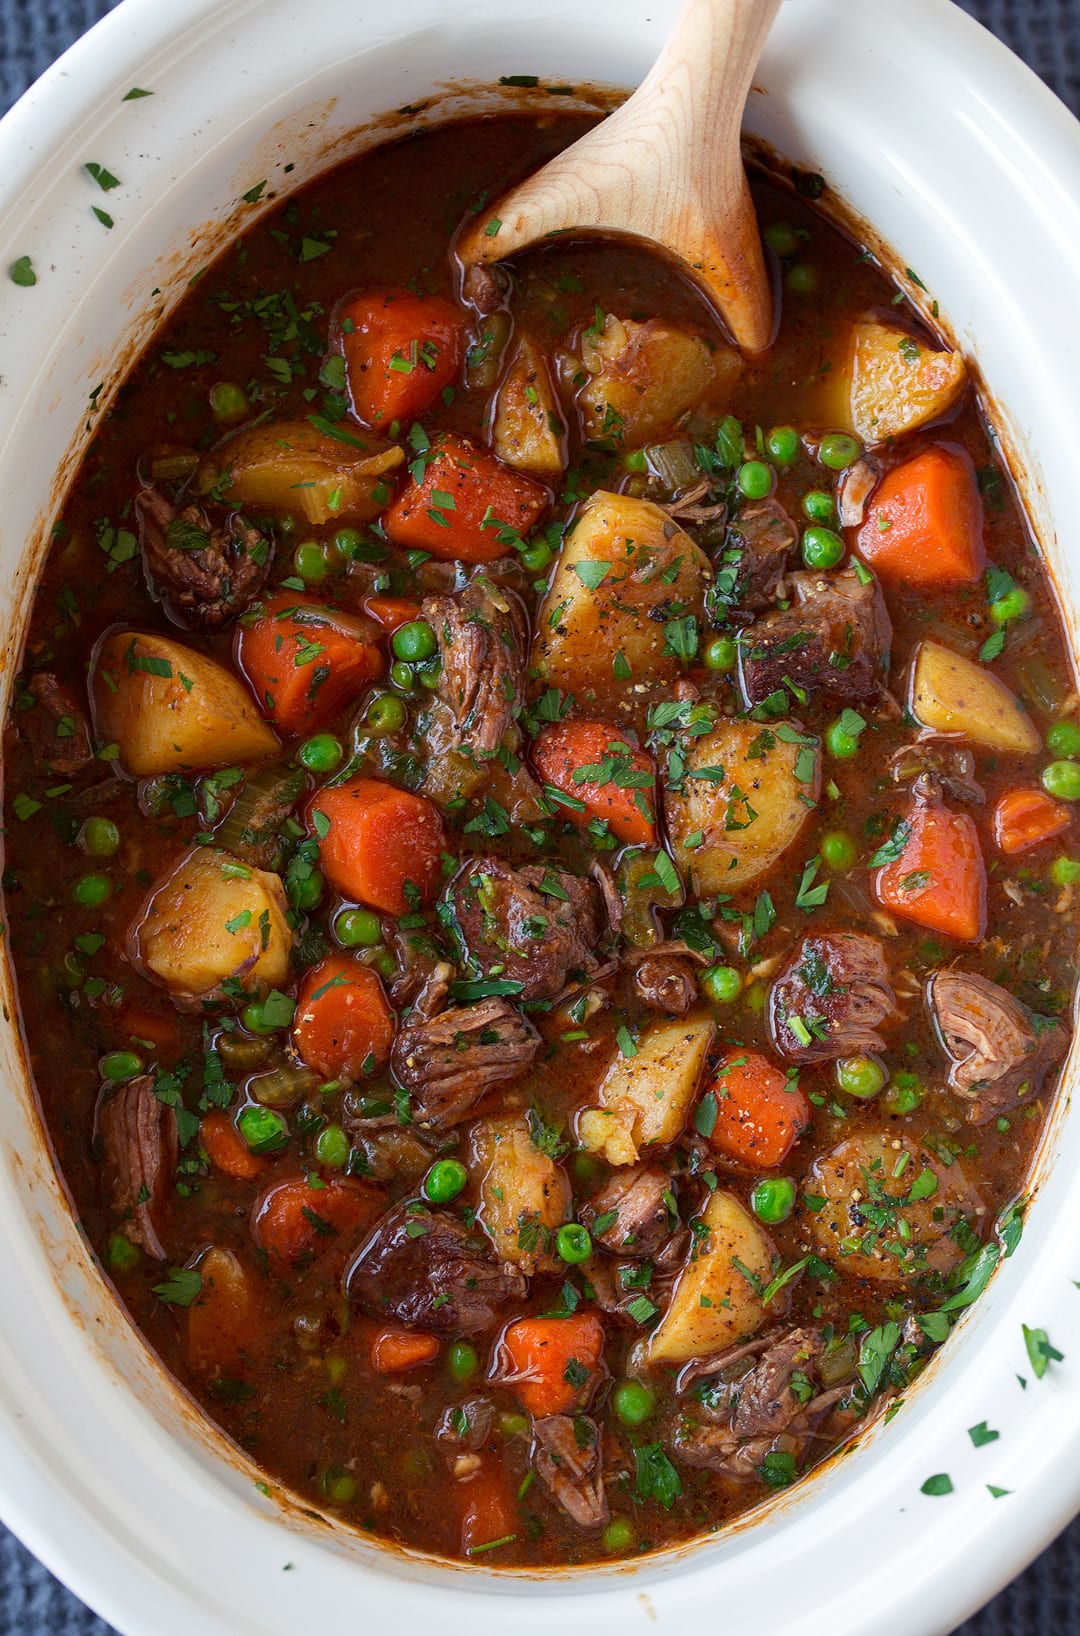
<point>357,928</point>
<point>462,1362</point>
<point>263,1130</point>
<point>348,543</point>
<point>382,961</point>
<point>428,675</point>
<point>537,556</point>
<point>587,1168</point>
<point>802,278</point>
<point>721,653</point>
<point>860,1076</point>
<point>821,548</point>
<point>124,1256</point>
<point>254,1019</point>
<point>819,506</point>
<point>1065,871</point>
<point>92,890</point>
<point>574,1243</point>
<point>72,969</point>
<point>1062,779</point>
<point>838,850</point>
<point>632,1402</point>
<point>904,1094</point>
<point>385,714</point>
<point>618,1536</point>
<point>401,675</point>
<point>321,754</point>
<point>755,997</point>
<point>307,894</point>
<point>754,479</point>
<point>781,237</point>
<point>1013,605</point>
<point>228,403</point>
<point>514,1425</point>
<point>332,1147</point>
<point>772,1199</point>
<point>840,744</point>
<point>339,1486</point>
<point>782,444</point>
<point>310,562</point>
<point>1064,738</point>
<point>838,451</point>
<point>414,642</point>
<point>120,1066</point>
<point>445,1180</point>
<point>100,837</point>
<point>721,983</point>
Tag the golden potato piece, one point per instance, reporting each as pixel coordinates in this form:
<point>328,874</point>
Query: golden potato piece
<point>951,694</point>
<point>898,384</point>
<point>212,919</point>
<point>170,708</point>
<point>714,1302</point>
<point>290,466</point>
<point>524,1195</point>
<point>881,1206</point>
<point>623,559</point>
<point>224,1322</point>
<point>642,377</point>
<point>527,429</point>
<point>645,1100</point>
<point>747,792</point>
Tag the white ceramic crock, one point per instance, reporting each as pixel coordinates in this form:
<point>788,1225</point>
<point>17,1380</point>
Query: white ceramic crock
<point>971,170</point>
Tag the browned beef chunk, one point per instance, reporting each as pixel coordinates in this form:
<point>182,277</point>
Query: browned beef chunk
<point>999,1049</point>
<point>466,1425</point>
<point>856,486</point>
<point>138,1136</point>
<point>481,634</point>
<point>630,1215</point>
<point>666,982</point>
<point>423,1267</point>
<point>534,924</point>
<point>568,1457</point>
<point>833,644</point>
<point>831,998</point>
<point>55,727</point>
<point>205,573</point>
<point>451,1061</point>
<point>755,556</point>
<point>767,1402</point>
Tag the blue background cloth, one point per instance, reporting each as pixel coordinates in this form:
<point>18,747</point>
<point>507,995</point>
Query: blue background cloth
<point>1045,1599</point>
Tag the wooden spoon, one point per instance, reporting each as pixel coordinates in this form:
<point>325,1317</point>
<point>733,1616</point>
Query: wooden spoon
<point>665,167</point>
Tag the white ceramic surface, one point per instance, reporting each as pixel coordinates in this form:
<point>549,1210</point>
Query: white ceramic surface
<point>972,171</point>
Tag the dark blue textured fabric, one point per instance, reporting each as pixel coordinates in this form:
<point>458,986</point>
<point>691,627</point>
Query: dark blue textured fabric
<point>1045,1599</point>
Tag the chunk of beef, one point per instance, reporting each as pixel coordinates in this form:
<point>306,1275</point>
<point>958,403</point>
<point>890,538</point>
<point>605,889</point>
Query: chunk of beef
<point>205,573</point>
<point>831,998</point>
<point>424,1267</point>
<point>767,1401</point>
<point>755,557</point>
<point>466,1425</point>
<point>138,1137</point>
<point>999,1050</point>
<point>534,924</point>
<point>856,486</point>
<point>568,1457</point>
<point>630,1215</point>
<point>833,643</point>
<point>666,982</point>
<point>451,1061</point>
<point>951,766</point>
<point>55,727</point>
<point>481,634</point>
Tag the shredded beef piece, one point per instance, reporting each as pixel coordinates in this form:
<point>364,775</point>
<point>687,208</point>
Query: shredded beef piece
<point>836,989</point>
<point>481,634</point>
<point>610,894</point>
<point>637,1197</point>
<point>950,765</point>
<point>834,643</point>
<point>466,1425</point>
<point>856,486</point>
<point>535,924</point>
<point>485,287</point>
<point>55,727</point>
<point>205,573</point>
<point>568,1457</point>
<point>451,1061</point>
<point>423,1267</point>
<point>755,556</point>
<point>138,1136</point>
<point>766,1403</point>
<point>1000,1050</point>
<point>666,982</point>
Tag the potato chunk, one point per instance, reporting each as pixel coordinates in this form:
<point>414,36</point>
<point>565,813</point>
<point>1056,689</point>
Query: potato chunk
<point>524,1195</point>
<point>642,377</point>
<point>290,466</point>
<point>747,791</point>
<point>645,1100</point>
<point>951,694</point>
<point>213,919</point>
<point>889,1207</point>
<point>170,708</point>
<point>224,1323</point>
<point>527,429</point>
<point>714,1303</point>
<point>897,384</point>
<point>625,569</point>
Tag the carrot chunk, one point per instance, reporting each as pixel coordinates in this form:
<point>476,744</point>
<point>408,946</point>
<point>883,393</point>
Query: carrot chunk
<point>395,1349</point>
<point>924,525</point>
<point>759,1111</point>
<point>343,1026</point>
<point>551,1362</point>
<point>487,1506</point>
<point>379,845</point>
<point>1026,818</point>
<point>302,661</point>
<point>938,879</point>
<point>391,611</point>
<point>605,777</point>
<point>401,350</point>
<point>464,505</point>
<point>226,1148</point>
<point>292,1216</point>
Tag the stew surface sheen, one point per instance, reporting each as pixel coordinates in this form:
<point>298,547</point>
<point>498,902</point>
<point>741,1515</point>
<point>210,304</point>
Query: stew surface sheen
<point>540,860</point>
